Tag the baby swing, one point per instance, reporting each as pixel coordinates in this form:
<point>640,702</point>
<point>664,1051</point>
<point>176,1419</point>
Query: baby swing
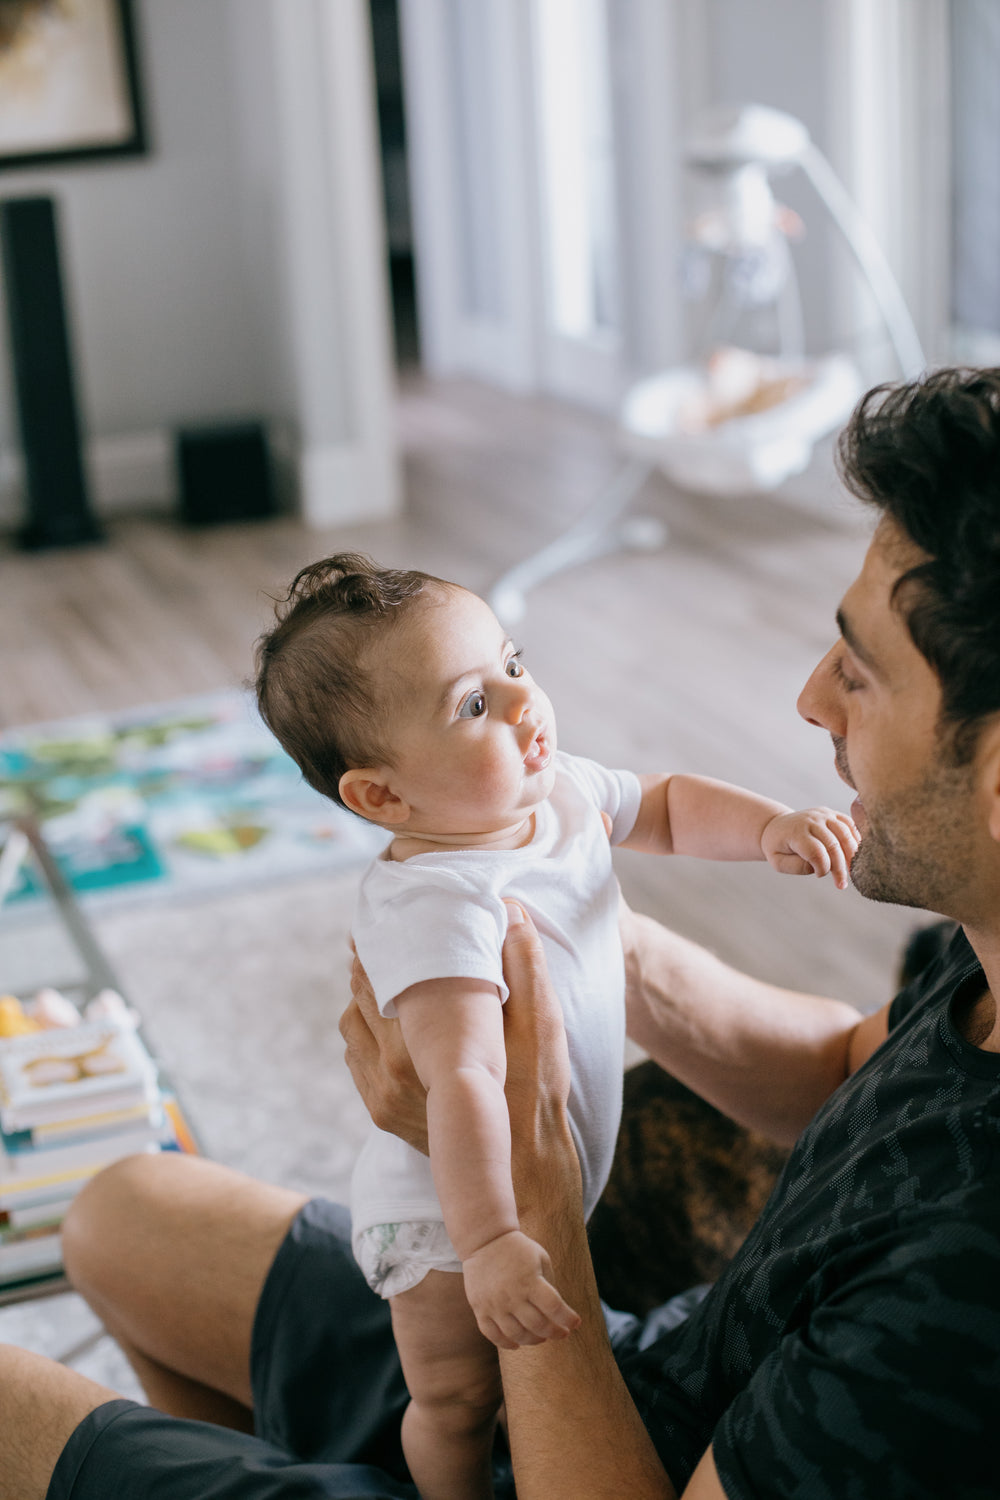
<point>735,422</point>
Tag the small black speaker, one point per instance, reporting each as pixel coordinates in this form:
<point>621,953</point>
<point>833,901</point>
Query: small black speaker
<point>57,502</point>
<point>225,473</point>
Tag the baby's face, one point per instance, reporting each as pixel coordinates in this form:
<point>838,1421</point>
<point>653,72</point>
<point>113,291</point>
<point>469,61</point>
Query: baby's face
<point>473,737</point>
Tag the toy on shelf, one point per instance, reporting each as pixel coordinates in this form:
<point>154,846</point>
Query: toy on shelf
<point>13,1020</point>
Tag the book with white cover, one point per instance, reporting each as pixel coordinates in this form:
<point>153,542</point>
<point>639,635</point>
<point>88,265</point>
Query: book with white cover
<point>110,1119</point>
<point>50,1213</point>
<point>21,1160</point>
<point>70,1073</point>
<point>30,1257</point>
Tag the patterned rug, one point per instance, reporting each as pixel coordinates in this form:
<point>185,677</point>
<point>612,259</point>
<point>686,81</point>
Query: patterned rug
<point>176,799</point>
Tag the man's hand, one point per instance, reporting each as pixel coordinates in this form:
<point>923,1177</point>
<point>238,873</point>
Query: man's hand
<point>507,1282</point>
<point>543,1157</point>
<point>814,842</point>
<point>381,1068</point>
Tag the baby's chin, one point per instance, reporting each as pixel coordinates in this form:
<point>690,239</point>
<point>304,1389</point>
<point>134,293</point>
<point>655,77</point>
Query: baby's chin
<point>539,784</point>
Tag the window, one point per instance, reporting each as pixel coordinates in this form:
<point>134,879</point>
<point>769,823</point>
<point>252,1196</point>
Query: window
<point>975,132</point>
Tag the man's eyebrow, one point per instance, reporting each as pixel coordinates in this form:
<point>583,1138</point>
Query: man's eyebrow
<point>860,651</point>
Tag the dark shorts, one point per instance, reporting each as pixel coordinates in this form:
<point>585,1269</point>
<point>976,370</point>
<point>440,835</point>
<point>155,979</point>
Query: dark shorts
<point>328,1398</point>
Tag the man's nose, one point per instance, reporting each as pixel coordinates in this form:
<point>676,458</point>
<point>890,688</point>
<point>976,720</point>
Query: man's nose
<point>817,702</point>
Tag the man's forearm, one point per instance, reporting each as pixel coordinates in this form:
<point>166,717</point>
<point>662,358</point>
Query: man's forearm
<point>575,1433</point>
<point>765,1056</point>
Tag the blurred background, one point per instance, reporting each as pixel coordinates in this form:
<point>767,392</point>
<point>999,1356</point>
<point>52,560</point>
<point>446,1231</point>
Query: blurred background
<point>485,188</point>
<point>514,291</point>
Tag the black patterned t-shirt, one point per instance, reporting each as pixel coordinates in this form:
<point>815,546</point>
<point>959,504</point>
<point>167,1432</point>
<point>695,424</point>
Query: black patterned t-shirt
<point>852,1348</point>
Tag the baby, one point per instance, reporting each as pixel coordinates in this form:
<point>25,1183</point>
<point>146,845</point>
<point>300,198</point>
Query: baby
<point>401,697</point>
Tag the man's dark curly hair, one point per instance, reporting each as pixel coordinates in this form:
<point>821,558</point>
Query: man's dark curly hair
<point>315,687</point>
<point>927,454</point>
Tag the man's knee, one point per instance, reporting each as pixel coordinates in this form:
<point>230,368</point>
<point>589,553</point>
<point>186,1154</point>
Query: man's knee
<point>108,1207</point>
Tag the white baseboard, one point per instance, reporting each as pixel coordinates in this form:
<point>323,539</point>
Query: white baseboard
<point>135,472</point>
<point>129,471</point>
<point>339,485</point>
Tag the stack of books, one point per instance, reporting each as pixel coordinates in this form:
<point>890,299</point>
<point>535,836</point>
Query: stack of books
<point>72,1099</point>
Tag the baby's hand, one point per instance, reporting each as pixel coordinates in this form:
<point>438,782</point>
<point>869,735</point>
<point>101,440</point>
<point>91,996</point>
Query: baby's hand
<point>506,1282</point>
<point>812,842</point>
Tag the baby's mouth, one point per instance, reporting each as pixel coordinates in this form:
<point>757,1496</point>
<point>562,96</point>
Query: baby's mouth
<point>539,754</point>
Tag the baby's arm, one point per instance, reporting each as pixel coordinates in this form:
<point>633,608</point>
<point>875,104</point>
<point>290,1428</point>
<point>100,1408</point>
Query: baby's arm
<point>453,1029</point>
<point>713,820</point>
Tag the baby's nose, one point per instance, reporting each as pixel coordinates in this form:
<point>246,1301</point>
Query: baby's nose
<point>518,702</point>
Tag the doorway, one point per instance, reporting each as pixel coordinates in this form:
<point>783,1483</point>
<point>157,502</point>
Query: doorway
<point>395,180</point>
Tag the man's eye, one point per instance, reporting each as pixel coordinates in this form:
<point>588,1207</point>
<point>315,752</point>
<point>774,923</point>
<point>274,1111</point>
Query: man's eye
<point>514,666</point>
<point>849,684</point>
<point>474,707</point>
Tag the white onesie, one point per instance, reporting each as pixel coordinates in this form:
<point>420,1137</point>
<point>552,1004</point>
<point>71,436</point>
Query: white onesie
<point>442,915</point>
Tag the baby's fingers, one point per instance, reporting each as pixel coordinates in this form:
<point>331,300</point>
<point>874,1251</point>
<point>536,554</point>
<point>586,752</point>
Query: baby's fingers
<point>842,842</point>
<point>546,1314</point>
<point>528,1322</point>
<point>490,1329</point>
<point>827,853</point>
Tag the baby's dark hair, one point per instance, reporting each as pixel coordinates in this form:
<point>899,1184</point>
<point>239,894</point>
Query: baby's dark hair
<point>315,688</point>
<point>927,454</point>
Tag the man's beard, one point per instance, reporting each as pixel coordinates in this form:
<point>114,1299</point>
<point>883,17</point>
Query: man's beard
<point>913,851</point>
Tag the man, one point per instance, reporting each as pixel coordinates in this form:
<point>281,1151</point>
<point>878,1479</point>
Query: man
<point>852,1345</point>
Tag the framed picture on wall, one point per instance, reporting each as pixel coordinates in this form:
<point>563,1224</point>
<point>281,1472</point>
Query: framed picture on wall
<point>69,82</point>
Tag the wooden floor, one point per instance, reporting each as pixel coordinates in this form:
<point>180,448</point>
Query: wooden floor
<point>687,658</point>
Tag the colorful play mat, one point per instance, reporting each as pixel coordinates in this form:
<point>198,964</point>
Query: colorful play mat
<point>176,798</point>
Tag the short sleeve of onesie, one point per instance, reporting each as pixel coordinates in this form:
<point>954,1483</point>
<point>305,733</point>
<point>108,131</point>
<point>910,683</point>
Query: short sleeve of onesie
<point>618,793</point>
<point>438,928</point>
<point>437,918</point>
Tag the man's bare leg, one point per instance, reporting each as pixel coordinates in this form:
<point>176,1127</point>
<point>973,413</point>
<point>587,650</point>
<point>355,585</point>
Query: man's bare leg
<point>171,1252</point>
<point>41,1404</point>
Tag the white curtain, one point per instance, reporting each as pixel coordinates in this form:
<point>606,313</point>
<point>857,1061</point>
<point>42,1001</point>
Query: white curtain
<point>975,55</point>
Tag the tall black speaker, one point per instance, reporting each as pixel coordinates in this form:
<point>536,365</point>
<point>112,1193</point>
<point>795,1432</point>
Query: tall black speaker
<point>58,506</point>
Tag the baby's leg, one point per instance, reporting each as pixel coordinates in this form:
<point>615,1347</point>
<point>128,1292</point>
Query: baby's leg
<point>453,1376</point>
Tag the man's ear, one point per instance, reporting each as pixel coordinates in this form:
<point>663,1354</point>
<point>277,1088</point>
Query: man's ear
<point>988,756</point>
<point>366,791</point>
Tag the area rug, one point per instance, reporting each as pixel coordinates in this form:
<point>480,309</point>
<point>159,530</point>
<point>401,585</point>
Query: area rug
<point>192,797</point>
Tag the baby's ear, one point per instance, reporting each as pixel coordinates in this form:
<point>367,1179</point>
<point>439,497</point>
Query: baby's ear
<point>366,791</point>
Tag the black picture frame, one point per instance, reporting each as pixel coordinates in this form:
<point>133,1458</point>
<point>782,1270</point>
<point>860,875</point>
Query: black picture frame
<point>93,39</point>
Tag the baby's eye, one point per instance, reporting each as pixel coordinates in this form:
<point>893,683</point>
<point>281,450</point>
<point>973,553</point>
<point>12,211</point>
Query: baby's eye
<point>474,706</point>
<point>514,666</point>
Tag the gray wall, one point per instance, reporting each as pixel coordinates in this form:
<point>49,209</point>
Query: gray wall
<point>171,296</point>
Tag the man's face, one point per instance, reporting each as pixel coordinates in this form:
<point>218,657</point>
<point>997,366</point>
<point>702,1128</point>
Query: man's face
<point>880,701</point>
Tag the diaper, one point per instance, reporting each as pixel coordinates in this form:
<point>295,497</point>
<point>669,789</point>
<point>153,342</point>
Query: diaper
<point>395,1257</point>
